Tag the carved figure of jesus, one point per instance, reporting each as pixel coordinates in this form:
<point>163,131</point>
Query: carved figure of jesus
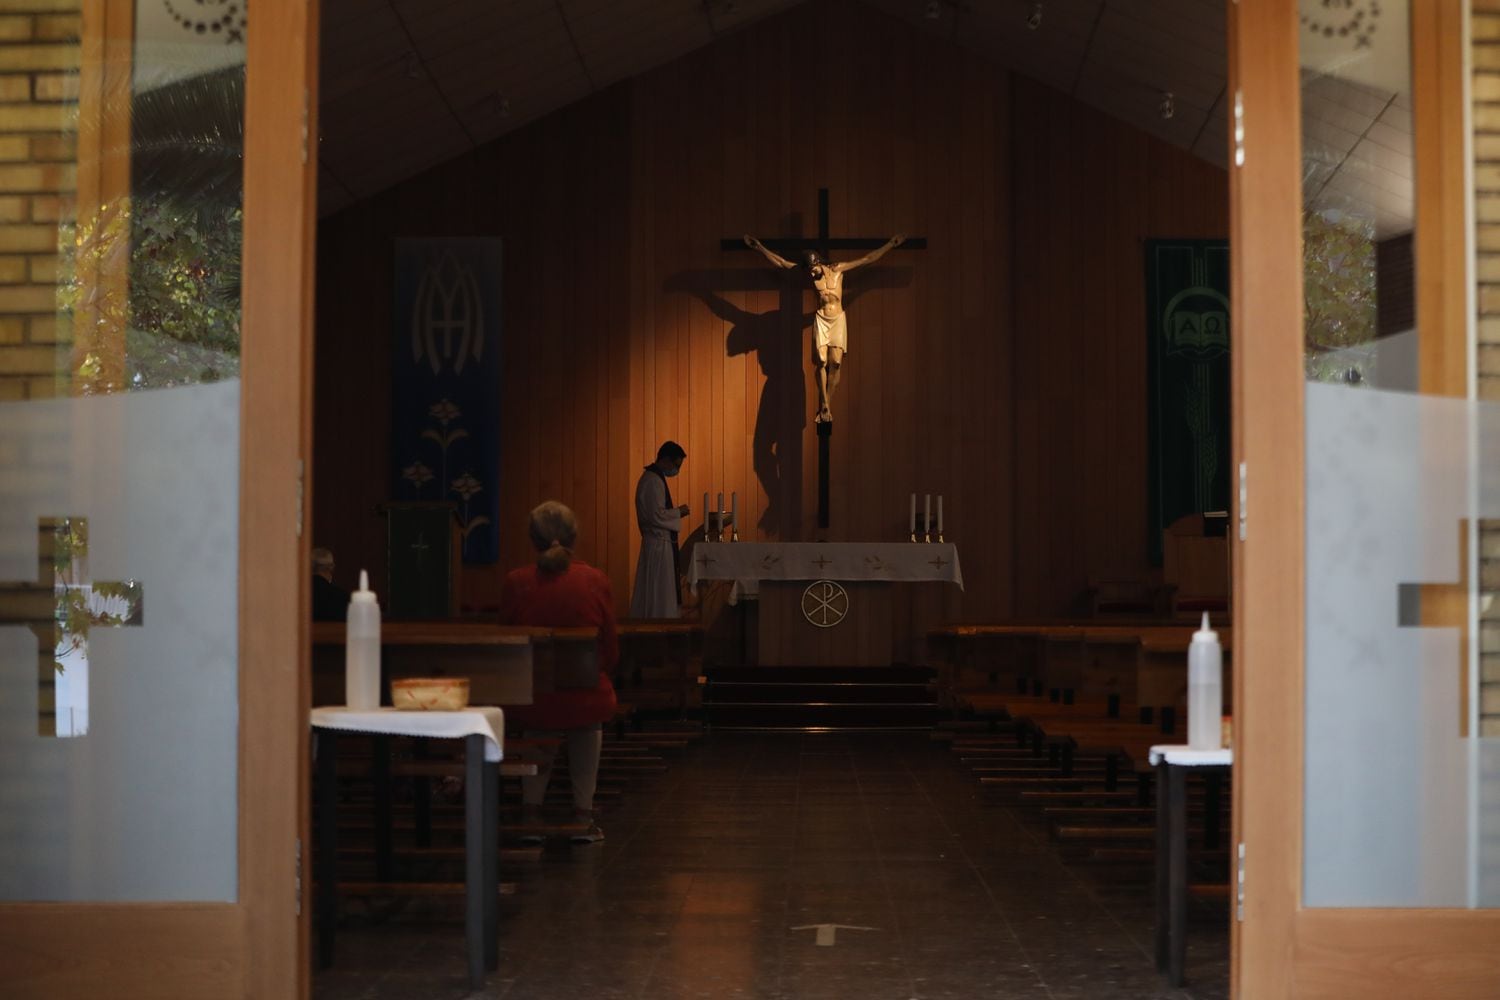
<point>831,330</point>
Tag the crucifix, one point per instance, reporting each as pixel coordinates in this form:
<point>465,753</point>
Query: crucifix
<point>60,608</point>
<point>831,336</point>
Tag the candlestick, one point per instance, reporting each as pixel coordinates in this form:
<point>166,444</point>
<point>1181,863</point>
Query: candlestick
<point>913,518</point>
<point>720,510</point>
<point>734,516</point>
<point>927,517</point>
<point>705,515</point>
<point>940,517</point>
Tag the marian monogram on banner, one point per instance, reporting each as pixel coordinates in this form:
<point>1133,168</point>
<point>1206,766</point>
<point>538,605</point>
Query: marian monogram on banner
<point>445,383</point>
<point>447,322</point>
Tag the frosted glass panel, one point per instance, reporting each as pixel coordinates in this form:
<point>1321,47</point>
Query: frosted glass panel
<point>119,445</point>
<point>1388,779</point>
<point>140,805</point>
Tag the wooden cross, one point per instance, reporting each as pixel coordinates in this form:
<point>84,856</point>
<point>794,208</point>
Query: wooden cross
<point>56,610</point>
<point>792,248</point>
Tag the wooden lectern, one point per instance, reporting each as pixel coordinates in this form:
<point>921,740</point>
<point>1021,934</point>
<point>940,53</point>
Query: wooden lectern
<point>424,550</point>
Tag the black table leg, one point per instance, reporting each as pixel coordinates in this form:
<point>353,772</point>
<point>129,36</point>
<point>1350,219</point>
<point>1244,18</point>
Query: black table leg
<point>382,780</point>
<point>1212,797</point>
<point>1176,792</point>
<point>421,799</point>
<point>1163,863</point>
<point>492,870</point>
<point>475,849</point>
<point>326,859</point>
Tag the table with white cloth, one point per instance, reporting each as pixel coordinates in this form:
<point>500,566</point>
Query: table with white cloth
<point>1172,763</point>
<point>828,603</point>
<point>482,729</point>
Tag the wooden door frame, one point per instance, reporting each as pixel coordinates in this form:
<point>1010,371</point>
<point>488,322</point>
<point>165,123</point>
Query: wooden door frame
<point>281,164</point>
<point>256,947</point>
<point>1282,949</point>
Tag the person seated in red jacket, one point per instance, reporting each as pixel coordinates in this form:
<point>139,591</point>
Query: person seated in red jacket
<point>560,591</point>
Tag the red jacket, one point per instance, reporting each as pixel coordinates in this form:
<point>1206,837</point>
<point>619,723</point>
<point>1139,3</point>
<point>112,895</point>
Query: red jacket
<point>578,596</point>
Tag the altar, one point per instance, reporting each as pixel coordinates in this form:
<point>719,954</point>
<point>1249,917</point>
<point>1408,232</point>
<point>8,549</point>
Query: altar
<point>830,604</point>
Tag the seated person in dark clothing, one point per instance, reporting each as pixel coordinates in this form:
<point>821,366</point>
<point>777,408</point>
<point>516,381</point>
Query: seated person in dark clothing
<point>558,591</point>
<point>330,602</point>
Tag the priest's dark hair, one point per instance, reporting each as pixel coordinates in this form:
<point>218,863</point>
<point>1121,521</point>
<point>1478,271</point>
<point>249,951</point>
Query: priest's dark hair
<point>670,451</point>
<point>554,532</point>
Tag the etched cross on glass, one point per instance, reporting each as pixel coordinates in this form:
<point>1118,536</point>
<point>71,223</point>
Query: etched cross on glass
<point>60,609</point>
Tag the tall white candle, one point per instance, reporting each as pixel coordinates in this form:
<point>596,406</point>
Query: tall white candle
<point>927,513</point>
<point>940,513</point>
<point>705,507</point>
<point>913,528</point>
<point>734,509</point>
<point>720,508</point>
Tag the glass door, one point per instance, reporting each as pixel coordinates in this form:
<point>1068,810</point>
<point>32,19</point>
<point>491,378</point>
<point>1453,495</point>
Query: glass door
<point>152,417</point>
<point>1367,770</point>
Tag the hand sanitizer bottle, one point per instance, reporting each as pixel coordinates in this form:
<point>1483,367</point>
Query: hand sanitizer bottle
<point>362,649</point>
<point>1205,689</point>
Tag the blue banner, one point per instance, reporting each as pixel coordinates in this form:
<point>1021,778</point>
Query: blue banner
<point>445,383</point>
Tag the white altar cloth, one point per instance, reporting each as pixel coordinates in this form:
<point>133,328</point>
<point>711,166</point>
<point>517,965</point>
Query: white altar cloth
<point>747,563</point>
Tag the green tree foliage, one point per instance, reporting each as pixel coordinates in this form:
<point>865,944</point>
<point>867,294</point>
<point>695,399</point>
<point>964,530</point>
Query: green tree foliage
<point>178,238</point>
<point>1338,288</point>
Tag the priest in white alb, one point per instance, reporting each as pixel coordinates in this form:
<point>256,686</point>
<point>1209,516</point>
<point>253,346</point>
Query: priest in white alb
<point>657,574</point>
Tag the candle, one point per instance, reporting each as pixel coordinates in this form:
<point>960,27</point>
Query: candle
<point>940,513</point>
<point>734,509</point>
<point>913,528</point>
<point>927,513</point>
<point>721,503</point>
<point>705,513</point>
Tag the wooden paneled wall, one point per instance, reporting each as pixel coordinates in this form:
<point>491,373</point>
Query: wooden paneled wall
<point>1088,191</point>
<point>557,194</point>
<point>625,324</point>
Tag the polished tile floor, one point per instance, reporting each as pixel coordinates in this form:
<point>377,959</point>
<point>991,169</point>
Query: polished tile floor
<point>715,877</point>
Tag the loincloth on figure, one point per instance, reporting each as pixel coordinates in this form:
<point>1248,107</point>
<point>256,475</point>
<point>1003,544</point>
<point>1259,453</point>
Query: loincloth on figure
<point>829,333</point>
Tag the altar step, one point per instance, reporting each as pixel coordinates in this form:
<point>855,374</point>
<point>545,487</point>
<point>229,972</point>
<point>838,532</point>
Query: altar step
<point>814,698</point>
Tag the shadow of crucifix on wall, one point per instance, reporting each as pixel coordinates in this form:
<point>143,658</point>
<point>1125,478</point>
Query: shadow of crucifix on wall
<point>782,346</point>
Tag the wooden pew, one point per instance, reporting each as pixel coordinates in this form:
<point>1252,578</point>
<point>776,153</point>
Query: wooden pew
<point>497,659</point>
<point>1161,673</point>
<point>972,658</point>
<point>1130,668</point>
<point>660,663</point>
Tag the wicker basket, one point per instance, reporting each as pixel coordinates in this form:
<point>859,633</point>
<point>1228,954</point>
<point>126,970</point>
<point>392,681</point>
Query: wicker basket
<point>433,694</point>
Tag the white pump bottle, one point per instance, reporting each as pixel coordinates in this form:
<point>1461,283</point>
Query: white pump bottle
<point>362,649</point>
<point>1205,689</point>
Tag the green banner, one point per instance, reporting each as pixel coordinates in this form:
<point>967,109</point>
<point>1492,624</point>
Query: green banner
<point>1187,319</point>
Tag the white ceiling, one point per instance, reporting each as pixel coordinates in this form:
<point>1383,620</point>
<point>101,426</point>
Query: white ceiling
<point>408,84</point>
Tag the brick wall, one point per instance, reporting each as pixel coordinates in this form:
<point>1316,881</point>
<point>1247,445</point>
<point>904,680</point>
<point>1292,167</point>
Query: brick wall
<point>1486,60</point>
<point>39,59</point>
